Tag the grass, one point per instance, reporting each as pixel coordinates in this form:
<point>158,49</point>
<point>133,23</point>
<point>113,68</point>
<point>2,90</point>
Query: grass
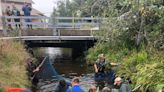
<point>12,62</point>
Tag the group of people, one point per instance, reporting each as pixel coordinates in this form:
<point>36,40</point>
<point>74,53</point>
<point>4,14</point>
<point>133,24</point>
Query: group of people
<point>74,86</point>
<point>64,86</point>
<point>102,73</point>
<point>14,11</point>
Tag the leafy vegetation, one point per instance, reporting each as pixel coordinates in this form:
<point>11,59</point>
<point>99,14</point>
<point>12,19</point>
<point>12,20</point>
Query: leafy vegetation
<point>132,35</point>
<point>135,40</point>
<point>12,62</point>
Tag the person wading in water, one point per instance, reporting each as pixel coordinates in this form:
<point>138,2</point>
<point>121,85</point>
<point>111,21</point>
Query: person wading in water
<point>100,74</point>
<point>99,67</point>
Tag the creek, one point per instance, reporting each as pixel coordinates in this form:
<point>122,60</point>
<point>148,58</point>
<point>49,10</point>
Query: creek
<point>66,64</point>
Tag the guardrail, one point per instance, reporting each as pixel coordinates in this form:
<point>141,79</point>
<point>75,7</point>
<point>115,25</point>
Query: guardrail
<point>42,22</point>
<point>48,22</point>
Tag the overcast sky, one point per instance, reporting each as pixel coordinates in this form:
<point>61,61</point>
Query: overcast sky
<point>45,6</point>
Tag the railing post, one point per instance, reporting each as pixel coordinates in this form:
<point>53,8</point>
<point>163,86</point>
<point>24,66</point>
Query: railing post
<point>73,22</point>
<point>56,25</point>
<point>21,29</point>
<point>91,33</point>
<point>81,21</point>
<point>92,20</point>
<point>22,22</point>
<point>59,33</point>
<point>4,21</point>
<point>44,22</point>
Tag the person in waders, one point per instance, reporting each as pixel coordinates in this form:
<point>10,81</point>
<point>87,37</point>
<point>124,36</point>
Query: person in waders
<point>99,67</point>
<point>62,86</point>
<point>121,85</point>
<point>103,71</point>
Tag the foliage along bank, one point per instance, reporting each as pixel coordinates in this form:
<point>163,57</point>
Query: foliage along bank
<point>133,37</point>
<point>13,58</point>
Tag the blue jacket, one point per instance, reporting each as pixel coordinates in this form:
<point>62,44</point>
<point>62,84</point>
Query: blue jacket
<point>27,10</point>
<point>75,88</point>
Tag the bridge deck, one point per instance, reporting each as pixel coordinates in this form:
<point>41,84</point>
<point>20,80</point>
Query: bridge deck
<point>53,38</point>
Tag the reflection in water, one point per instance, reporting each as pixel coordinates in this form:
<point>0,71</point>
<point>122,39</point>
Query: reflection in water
<point>70,68</point>
<point>53,52</point>
<point>64,63</point>
<point>58,53</point>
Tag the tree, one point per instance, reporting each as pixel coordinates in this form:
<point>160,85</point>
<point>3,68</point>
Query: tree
<point>133,37</point>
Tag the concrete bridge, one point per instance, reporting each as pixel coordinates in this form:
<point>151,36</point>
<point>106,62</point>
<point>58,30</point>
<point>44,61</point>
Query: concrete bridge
<point>50,29</point>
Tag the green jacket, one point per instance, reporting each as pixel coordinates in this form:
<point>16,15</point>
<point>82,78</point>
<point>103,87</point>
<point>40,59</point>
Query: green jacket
<point>123,88</point>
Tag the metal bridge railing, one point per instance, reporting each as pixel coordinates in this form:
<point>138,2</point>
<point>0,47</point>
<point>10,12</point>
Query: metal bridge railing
<point>55,23</point>
<point>48,22</point>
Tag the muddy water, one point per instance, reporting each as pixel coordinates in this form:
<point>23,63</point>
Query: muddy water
<point>65,66</point>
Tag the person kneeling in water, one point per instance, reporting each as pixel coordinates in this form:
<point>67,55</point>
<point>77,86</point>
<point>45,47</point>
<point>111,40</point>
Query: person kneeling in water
<point>62,86</point>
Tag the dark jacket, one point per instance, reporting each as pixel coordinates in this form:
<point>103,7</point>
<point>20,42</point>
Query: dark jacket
<point>60,88</point>
<point>123,88</point>
<point>27,10</point>
<point>100,65</point>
